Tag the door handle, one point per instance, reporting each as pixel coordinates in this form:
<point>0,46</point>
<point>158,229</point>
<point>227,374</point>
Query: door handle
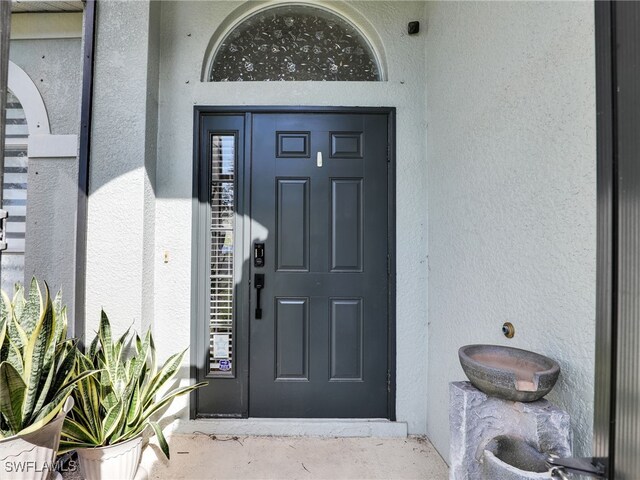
<point>258,282</point>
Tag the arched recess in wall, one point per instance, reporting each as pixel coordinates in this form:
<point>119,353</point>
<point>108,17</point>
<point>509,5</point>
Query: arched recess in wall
<point>28,136</point>
<point>294,41</point>
<point>41,143</point>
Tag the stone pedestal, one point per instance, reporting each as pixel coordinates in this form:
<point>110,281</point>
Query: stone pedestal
<point>475,419</point>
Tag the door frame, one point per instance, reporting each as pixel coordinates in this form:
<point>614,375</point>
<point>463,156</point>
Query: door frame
<point>618,183</point>
<point>604,417</point>
<point>198,247</point>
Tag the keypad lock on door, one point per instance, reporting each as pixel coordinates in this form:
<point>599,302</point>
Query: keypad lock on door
<point>258,254</point>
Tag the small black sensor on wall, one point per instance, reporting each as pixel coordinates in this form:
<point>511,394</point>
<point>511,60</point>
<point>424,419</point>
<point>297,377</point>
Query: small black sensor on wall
<point>413,28</point>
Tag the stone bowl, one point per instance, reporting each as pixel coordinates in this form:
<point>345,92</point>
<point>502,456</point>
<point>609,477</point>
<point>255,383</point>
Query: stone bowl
<point>511,458</point>
<point>509,373</point>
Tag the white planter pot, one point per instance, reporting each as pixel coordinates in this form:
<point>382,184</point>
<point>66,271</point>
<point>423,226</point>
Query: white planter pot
<point>32,456</point>
<point>113,462</point>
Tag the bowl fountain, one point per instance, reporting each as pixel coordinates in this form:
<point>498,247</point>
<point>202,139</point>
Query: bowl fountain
<point>509,373</point>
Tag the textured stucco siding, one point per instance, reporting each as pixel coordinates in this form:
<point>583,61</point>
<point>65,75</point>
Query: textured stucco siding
<point>501,154</point>
<point>186,29</point>
<point>51,225</point>
<point>55,67</point>
<point>512,193</point>
<point>151,155</point>
<point>118,270</point>
<point>121,201</point>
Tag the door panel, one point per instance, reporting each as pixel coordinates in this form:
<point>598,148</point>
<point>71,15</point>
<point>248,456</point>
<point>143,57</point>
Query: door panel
<point>321,346</point>
<point>292,338</point>
<point>346,225</point>
<point>346,339</point>
<point>292,209</point>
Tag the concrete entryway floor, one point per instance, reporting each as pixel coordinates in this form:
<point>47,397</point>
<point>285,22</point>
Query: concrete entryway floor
<point>200,456</point>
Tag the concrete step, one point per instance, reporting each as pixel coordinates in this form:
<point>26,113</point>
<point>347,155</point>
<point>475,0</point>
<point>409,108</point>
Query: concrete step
<point>304,427</point>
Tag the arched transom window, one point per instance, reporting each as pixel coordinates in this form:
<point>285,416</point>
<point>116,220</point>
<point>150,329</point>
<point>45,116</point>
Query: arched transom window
<point>294,42</point>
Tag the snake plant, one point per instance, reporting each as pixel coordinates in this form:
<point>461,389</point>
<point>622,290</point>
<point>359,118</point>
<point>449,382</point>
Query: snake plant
<point>37,361</point>
<point>119,403</point>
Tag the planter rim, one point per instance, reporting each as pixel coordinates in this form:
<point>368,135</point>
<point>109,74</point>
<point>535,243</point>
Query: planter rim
<point>104,447</point>
<point>120,460</point>
<point>66,408</point>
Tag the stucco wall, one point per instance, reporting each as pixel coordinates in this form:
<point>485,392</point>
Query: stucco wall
<point>509,90</point>
<point>186,30</point>
<point>121,202</point>
<point>117,274</point>
<point>55,67</point>
<point>51,225</point>
<point>512,192</point>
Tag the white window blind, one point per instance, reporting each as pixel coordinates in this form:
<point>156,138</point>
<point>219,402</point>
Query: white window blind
<point>15,193</point>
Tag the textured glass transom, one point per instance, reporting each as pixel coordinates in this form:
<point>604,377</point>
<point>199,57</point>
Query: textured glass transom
<point>294,42</point>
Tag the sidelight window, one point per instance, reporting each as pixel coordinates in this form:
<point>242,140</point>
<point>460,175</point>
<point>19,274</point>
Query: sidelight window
<point>222,202</point>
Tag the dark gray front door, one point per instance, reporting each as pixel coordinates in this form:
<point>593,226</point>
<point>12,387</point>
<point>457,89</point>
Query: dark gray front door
<point>319,203</point>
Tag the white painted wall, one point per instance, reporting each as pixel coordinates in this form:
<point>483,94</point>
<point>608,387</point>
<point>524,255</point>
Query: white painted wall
<point>121,211</point>
<point>46,76</point>
<point>180,89</point>
<point>117,266</point>
<point>510,183</point>
<point>55,66</point>
<point>512,192</point>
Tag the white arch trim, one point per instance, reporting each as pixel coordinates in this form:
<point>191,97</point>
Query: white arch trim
<point>40,143</point>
